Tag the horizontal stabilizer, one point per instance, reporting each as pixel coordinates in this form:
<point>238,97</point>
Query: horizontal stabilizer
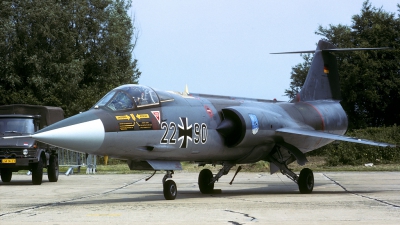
<point>307,51</point>
<point>313,133</point>
<point>333,50</point>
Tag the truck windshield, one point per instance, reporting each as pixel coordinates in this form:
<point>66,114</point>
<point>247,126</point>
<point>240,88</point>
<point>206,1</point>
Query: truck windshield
<point>17,125</point>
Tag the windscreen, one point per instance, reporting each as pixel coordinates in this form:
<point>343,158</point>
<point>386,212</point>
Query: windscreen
<point>120,101</point>
<point>142,95</point>
<point>105,99</point>
<point>16,126</point>
<point>128,97</point>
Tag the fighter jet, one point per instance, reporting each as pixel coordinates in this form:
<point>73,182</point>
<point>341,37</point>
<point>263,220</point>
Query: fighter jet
<point>157,130</point>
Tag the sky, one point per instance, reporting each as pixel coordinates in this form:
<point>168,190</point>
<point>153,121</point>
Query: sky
<point>223,47</point>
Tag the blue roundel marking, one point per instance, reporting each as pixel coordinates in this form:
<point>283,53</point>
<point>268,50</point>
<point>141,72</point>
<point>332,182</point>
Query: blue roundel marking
<point>254,123</point>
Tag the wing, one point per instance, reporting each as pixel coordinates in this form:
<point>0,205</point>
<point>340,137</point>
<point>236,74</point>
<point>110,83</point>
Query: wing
<point>313,133</point>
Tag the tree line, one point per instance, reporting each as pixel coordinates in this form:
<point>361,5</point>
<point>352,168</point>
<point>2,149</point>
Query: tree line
<point>370,80</point>
<point>65,53</point>
<point>70,53</point>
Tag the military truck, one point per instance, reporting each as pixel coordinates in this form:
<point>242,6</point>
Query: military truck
<point>26,153</point>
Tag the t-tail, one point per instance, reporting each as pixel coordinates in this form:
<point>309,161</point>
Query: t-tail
<point>322,82</point>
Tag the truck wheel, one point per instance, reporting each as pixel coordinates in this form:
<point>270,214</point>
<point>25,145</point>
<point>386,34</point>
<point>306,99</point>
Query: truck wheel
<point>6,175</point>
<point>37,172</point>
<point>52,169</point>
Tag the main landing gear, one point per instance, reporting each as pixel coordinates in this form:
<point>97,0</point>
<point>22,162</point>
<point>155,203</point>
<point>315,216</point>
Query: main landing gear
<point>205,183</point>
<point>305,180</point>
<point>206,180</point>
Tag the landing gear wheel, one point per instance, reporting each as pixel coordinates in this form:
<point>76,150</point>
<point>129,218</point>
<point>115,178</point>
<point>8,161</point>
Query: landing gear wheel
<point>6,175</point>
<point>37,172</point>
<point>306,181</point>
<point>170,190</point>
<point>52,169</point>
<point>205,178</point>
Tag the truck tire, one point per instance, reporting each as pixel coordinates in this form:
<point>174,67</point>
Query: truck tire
<point>6,175</point>
<point>37,172</point>
<point>52,169</point>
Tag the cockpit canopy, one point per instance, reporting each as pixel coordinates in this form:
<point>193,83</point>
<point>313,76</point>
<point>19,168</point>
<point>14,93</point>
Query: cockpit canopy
<point>128,96</point>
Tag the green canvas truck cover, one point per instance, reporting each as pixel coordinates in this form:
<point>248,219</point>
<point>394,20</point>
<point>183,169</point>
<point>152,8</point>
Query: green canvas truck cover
<point>49,114</point>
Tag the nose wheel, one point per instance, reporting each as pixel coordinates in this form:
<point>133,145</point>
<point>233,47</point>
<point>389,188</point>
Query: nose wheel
<point>170,190</point>
<point>169,186</point>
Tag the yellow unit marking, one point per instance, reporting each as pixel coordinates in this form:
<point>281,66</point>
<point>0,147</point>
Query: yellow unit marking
<point>125,117</point>
<point>145,125</point>
<point>142,116</point>
<point>126,126</point>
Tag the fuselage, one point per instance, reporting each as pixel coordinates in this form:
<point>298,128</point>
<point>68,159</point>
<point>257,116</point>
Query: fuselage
<point>173,126</point>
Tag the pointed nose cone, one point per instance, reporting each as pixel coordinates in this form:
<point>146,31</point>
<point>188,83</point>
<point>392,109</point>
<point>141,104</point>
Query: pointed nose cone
<point>83,132</point>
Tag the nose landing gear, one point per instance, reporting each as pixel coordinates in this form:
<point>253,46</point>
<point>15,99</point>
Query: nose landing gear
<point>170,190</point>
<point>169,186</point>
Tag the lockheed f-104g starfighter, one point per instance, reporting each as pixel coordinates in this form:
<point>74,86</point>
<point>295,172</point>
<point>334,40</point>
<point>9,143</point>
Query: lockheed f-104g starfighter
<point>156,130</point>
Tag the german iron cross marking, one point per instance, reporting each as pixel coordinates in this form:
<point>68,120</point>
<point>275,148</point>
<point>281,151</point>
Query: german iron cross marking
<point>185,132</point>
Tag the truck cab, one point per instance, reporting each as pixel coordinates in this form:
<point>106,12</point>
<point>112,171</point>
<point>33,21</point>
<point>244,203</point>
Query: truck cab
<point>26,153</point>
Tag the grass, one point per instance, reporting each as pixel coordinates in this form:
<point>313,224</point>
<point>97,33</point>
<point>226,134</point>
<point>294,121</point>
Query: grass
<point>316,163</point>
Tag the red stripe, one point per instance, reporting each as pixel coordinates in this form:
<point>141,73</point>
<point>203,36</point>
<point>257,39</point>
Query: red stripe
<point>320,115</point>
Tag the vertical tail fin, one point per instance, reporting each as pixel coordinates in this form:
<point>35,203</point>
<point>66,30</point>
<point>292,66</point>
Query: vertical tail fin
<point>322,82</point>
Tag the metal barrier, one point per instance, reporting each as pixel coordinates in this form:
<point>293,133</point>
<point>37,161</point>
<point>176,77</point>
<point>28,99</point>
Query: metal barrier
<point>91,164</point>
<point>74,160</point>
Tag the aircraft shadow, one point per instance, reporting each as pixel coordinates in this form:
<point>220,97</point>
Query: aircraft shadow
<point>155,196</point>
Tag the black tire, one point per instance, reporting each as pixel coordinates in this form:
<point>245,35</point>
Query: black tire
<point>52,169</point>
<point>6,175</point>
<point>306,181</point>
<point>170,190</point>
<point>204,180</point>
<point>37,172</point>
